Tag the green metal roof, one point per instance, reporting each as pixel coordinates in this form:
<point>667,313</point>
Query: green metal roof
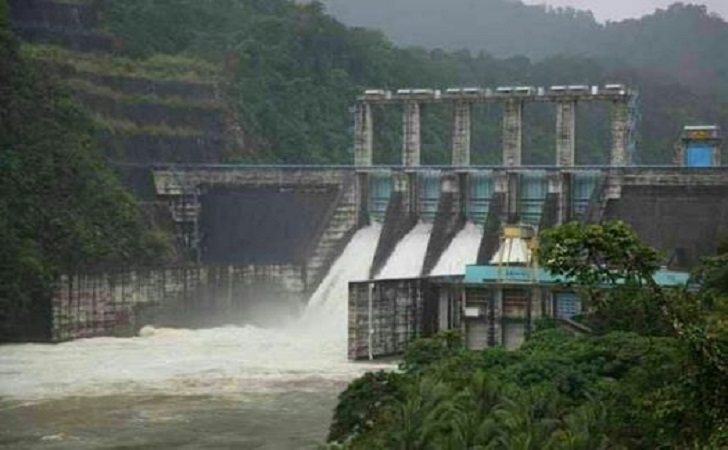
<point>514,274</point>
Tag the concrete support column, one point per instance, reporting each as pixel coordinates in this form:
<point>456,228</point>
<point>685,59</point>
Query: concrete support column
<point>507,184</point>
<point>461,131</point>
<point>559,184</point>
<point>514,196</point>
<point>566,134</point>
<point>362,198</point>
<point>411,135</point>
<point>414,193</point>
<point>717,155</point>
<point>620,134</point>
<point>405,184</point>
<point>363,135</point>
<point>463,184</point>
<point>512,133</point>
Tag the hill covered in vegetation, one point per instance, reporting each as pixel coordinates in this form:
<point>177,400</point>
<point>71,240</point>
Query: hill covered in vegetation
<point>295,71</point>
<point>61,207</point>
<point>684,42</point>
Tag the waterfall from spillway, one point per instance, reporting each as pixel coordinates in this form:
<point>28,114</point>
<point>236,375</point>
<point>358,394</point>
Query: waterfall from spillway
<point>408,256</point>
<point>463,250</point>
<point>308,353</point>
<point>326,313</point>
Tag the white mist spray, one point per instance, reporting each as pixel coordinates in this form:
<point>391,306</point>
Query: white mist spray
<point>309,353</point>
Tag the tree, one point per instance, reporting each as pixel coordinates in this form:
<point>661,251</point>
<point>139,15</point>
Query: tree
<point>610,267</point>
<point>61,207</point>
<point>616,270</point>
<point>359,407</point>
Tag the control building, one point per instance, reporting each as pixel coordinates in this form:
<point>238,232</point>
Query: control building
<point>495,304</point>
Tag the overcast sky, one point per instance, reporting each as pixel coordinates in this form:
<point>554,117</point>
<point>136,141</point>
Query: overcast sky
<point>621,9</point>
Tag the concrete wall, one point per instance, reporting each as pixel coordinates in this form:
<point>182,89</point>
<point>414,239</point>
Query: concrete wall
<point>262,225</point>
<point>685,222</point>
<point>384,317</point>
<point>119,303</point>
<point>347,210</point>
<point>306,215</point>
<point>492,228</point>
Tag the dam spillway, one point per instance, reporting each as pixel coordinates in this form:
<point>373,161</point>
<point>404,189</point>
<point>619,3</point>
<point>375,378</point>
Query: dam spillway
<point>463,250</point>
<point>240,277</point>
<point>409,254</point>
<point>265,237</point>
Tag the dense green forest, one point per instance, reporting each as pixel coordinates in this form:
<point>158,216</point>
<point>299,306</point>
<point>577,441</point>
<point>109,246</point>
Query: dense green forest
<point>61,207</point>
<point>652,374</point>
<point>295,71</point>
<point>682,42</point>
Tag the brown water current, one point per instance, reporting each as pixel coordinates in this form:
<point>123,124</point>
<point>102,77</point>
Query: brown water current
<point>238,387</point>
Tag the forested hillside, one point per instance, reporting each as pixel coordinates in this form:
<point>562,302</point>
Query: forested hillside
<point>61,207</point>
<point>684,42</point>
<point>502,28</point>
<point>295,72</point>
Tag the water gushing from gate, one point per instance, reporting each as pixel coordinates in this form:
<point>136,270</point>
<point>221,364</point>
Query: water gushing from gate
<point>463,250</point>
<point>409,256</point>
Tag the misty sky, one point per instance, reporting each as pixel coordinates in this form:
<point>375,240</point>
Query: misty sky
<point>621,9</point>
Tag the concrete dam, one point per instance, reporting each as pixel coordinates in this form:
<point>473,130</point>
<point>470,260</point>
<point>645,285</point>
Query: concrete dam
<point>301,218</point>
<point>265,238</point>
<point>268,240</point>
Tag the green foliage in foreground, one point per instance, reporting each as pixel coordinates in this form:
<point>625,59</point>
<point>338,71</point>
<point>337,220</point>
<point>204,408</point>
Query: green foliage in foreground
<point>620,390</point>
<point>632,384</point>
<point>61,208</point>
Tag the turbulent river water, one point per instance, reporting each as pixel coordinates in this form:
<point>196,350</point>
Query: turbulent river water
<point>233,387</point>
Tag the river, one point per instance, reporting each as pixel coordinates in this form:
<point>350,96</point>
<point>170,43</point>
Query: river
<point>239,387</point>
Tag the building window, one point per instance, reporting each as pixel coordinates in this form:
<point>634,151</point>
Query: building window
<point>515,303</point>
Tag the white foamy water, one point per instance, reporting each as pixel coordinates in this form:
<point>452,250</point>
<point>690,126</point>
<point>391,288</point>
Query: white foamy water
<point>463,250</point>
<point>408,257</point>
<point>327,312</point>
<point>307,354</point>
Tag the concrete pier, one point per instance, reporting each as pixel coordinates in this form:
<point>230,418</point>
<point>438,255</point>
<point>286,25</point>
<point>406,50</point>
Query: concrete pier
<point>411,144</point>
<point>363,135</point>
<point>449,220</point>
<point>512,133</point>
<point>461,132</point>
<point>559,192</point>
<point>566,134</point>
<point>620,134</point>
<point>400,218</point>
